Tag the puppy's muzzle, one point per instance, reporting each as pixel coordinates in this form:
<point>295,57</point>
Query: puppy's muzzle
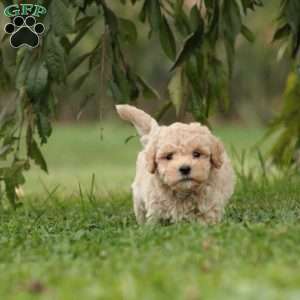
<point>185,170</point>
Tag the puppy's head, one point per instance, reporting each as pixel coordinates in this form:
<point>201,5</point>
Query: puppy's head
<point>181,155</point>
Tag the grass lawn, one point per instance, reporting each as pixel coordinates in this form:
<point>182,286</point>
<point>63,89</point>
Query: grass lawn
<point>68,245</point>
<point>74,153</point>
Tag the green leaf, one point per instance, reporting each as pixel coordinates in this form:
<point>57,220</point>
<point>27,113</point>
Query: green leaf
<point>77,62</point>
<point>176,90</point>
<point>154,14</point>
<point>147,90</point>
<point>96,56</point>
<point>55,58</point>
<point>232,26</point>
<point>195,18</point>
<point>119,79</point>
<point>5,150</point>
<point>111,20</point>
<point>60,18</point>
<point>182,21</point>
<point>115,92</point>
<point>217,89</point>
<point>291,12</point>
<point>79,3</point>
<point>44,127</point>
<point>52,102</point>
<point>296,45</point>
<point>37,80</point>
<point>125,82</point>
<point>232,20</point>
<point>192,73</point>
<point>34,152</point>
<point>247,33</point>
<point>196,105</point>
<point>282,32</point>
<point>7,123</point>
<point>167,39</point>
<point>132,80</point>
<point>4,75</point>
<point>214,22</point>
<point>83,104</point>
<point>128,30</point>
<point>13,177</point>
<point>250,4</point>
<point>286,125</point>
<point>192,43</point>
<point>230,53</point>
<point>10,190</point>
<point>65,42</point>
<point>24,61</point>
<point>80,35</point>
<point>143,12</point>
<point>84,22</point>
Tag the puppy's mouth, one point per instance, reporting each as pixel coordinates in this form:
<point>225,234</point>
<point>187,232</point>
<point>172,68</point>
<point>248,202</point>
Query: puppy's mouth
<point>187,179</point>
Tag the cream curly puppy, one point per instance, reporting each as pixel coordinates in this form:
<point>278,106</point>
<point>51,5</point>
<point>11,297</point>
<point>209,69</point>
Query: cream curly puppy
<point>183,172</point>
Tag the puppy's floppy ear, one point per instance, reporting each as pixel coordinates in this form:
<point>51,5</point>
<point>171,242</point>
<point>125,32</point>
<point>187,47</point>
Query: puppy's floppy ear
<point>150,155</point>
<point>217,150</point>
<point>143,123</point>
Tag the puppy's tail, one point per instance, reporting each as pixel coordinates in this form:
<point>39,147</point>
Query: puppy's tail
<point>143,123</point>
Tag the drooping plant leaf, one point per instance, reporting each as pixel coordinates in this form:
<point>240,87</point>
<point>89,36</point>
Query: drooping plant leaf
<point>154,14</point>
<point>192,43</point>
<point>148,91</point>
<point>176,89</point>
<point>33,151</point>
<point>60,18</point>
<point>37,80</point>
<point>167,39</point>
<point>246,32</point>
<point>128,30</point>
<point>55,58</point>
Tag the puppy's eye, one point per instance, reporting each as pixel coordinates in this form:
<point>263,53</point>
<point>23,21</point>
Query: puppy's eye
<point>169,156</point>
<point>196,154</point>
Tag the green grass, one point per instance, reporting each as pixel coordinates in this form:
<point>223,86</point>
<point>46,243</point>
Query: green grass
<point>74,153</point>
<point>69,245</point>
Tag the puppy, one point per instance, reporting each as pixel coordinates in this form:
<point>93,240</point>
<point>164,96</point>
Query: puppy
<point>183,172</point>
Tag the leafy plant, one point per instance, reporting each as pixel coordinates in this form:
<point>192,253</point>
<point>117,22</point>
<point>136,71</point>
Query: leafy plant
<point>286,126</point>
<point>194,39</point>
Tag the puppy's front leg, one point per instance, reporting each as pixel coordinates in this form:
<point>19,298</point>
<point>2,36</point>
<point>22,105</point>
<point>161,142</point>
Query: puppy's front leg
<point>213,215</point>
<point>152,219</point>
<point>139,211</point>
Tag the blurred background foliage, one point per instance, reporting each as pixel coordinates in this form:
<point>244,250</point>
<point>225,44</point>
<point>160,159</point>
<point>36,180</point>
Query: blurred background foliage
<point>256,86</point>
<point>149,53</point>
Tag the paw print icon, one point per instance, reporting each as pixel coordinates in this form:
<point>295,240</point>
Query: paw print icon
<point>24,32</point>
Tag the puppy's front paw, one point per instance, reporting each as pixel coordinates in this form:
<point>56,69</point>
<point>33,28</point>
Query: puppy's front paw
<point>153,219</point>
<point>213,216</point>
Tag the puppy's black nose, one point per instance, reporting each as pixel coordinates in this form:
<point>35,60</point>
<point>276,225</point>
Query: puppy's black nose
<point>185,169</point>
